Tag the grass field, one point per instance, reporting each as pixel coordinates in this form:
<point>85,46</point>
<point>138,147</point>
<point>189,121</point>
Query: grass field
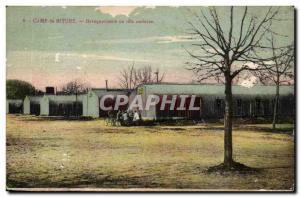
<point>88,154</point>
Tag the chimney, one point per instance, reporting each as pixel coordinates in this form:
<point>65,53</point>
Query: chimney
<point>156,73</point>
<point>50,90</point>
<point>106,85</point>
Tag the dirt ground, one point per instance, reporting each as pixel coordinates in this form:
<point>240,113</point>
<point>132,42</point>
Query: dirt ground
<point>87,154</point>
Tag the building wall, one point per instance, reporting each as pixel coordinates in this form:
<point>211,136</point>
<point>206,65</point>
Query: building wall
<point>213,105</point>
<point>32,105</point>
<point>16,104</point>
<point>44,106</point>
<point>143,91</point>
<point>91,105</point>
<point>84,105</point>
<point>65,105</point>
<point>151,114</point>
<point>247,107</point>
<point>26,106</point>
<point>92,101</point>
<point>7,107</point>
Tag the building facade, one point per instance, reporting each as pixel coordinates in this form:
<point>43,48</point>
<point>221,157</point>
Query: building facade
<point>256,101</point>
<point>91,101</point>
<point>14,106</point>
<point>87,105</point>
<point>32,105</point>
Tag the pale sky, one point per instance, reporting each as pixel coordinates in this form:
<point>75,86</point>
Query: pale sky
<point>52,54</point>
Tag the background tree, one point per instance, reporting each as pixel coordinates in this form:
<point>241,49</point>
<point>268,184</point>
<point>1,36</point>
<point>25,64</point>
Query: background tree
<point>74,87</point>
<point>17,89</point>
<point>126,78</point>
<point>131,77</point>
<point>147,75</point>
<point>225,50</point>
<point>279,71</point>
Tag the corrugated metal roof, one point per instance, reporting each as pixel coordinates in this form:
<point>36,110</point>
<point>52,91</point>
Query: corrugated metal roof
<point>98,91</point>
<point>211,89</point>
<point>35,98</point>
<point>56,97</point>
<point>101,92</point>
<point>66,98</point>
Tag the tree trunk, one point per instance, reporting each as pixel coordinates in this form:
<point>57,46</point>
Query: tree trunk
<point>275,109</point>
<point>228,161</point>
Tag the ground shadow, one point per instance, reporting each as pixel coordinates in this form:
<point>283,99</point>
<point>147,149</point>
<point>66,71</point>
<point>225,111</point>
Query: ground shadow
<point>236,168</point>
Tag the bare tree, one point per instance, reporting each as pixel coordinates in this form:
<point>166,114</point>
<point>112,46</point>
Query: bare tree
<point>278,71</point>
<point>126,79</point>
<point>146,75</point>
<point>224,51</point>
<point>131,77</point>
<point>74,87</point>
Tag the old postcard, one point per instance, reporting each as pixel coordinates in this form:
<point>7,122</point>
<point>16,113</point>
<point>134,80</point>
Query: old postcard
<point>160,98</point>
